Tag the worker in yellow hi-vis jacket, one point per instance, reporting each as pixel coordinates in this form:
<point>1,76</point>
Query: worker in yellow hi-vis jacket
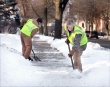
<point>78,39</point>
<point>28,30</point>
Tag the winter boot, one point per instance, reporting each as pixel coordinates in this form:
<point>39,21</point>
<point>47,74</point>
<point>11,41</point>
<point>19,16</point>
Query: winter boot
<point>30,59</point>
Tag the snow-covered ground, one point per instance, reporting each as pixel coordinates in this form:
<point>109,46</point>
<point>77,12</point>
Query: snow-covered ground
<point>16,71</point>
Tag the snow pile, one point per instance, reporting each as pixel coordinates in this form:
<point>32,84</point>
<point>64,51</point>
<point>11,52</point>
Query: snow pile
<point>16,71</point>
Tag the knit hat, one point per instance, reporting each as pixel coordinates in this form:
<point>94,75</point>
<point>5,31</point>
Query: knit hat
<point>71,22</point>
<point>39,20</point>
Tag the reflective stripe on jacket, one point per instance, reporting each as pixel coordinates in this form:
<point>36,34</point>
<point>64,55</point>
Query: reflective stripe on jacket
<point>65,26</point>
<point>28,27</point>
<point>77,30</point>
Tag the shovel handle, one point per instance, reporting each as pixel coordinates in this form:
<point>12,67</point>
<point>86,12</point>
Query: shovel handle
<point>71,57</point>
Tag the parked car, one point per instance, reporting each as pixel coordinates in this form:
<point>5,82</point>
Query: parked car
<point>102,34</point>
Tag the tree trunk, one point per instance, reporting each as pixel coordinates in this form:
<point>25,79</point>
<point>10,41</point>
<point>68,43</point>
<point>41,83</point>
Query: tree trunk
<point>97,22</point>
<point>58,29</point>
<point>24,10</point>
<point>33,8</point>
<point>59,7</point>
<point>58,20</point>
<point>45,22</point>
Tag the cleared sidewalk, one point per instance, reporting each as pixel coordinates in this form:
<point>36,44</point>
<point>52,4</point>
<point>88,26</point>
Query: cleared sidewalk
<point>50,57</point>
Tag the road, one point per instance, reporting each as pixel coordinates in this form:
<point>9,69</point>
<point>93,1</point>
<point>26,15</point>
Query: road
<point>102,42</point>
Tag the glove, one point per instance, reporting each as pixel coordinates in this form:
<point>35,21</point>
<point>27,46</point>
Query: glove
<point>67,41</point>
<point>71,53</point>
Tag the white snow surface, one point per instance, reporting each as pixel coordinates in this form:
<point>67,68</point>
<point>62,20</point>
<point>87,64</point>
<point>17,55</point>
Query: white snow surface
<point>15,71</point>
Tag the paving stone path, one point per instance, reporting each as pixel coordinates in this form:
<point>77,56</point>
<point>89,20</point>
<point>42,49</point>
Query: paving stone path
<point>50,57</point>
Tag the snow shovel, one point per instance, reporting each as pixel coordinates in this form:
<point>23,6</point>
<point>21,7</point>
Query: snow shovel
<point>35,57</point>
<point>71,57</point>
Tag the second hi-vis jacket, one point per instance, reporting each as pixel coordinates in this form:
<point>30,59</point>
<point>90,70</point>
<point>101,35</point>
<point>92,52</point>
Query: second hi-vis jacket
<point>28,27</point>
<point>77,30</point>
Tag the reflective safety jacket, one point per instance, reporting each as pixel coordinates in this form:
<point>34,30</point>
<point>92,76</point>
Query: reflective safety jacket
<point>28,27</point>
<point>77,30</point>
<point>65,26</point>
